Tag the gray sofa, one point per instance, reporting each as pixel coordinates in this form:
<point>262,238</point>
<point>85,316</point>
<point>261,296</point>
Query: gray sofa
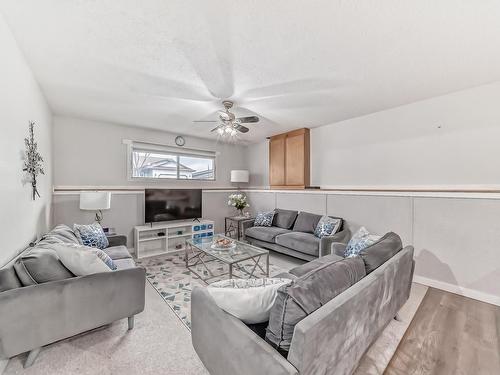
<point>332,337</point>
<point>41,302</point>
<point>291,233</point>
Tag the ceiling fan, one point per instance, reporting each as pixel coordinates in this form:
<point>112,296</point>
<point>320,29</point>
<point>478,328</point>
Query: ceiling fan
<point>229,124</point>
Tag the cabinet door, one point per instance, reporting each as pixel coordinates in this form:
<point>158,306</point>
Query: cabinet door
<point>277,161</point>
<point>294,160</point>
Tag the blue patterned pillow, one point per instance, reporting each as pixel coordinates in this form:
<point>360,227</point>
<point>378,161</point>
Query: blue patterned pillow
<point>327,226</point>
<point>91,235</point>
<point>105,258</point>
<point>264,219</point>
<point>361,240</point>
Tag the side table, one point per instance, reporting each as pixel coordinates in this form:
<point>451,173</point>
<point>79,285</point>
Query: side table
<point>233,224</point>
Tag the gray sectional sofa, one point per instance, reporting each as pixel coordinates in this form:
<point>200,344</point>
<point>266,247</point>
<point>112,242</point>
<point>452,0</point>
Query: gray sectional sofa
<point>42,302</point>
<point>292,234</point>
<point>320,324</point>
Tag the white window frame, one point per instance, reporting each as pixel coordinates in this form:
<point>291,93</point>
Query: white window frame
<point>172,150</point>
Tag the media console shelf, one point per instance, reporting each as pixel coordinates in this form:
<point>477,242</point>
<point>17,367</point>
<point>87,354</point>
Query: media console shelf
<point>169,237</point>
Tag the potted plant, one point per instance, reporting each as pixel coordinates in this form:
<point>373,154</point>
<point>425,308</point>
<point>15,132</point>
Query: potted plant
<point>238,201</point>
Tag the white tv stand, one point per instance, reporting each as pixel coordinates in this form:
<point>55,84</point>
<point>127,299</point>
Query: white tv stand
<point>168,237</point>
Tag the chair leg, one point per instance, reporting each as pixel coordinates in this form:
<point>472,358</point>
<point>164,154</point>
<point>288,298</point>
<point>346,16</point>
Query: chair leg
<point>31,357</point>
<point>131,322</point>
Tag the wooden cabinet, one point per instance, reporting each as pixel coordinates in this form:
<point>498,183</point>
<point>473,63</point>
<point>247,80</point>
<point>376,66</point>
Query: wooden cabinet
<point>289,160</point>
<point>277,160</point>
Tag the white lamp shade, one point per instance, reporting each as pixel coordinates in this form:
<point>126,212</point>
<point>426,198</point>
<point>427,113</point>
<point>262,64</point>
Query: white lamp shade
<point>95,200</point>
<point>239,175</point>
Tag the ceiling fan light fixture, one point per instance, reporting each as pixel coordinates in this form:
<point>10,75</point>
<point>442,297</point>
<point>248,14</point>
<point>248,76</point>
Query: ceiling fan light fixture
<point>228,124</point>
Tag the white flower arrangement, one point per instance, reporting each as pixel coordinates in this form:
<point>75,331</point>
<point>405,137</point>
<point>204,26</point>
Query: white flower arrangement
<point>238,201</point>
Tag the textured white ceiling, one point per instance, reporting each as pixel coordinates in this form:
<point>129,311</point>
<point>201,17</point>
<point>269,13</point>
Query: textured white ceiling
<point>162,64</point>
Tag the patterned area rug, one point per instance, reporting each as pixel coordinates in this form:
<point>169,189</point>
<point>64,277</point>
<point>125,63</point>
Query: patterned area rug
<point>173,281</point>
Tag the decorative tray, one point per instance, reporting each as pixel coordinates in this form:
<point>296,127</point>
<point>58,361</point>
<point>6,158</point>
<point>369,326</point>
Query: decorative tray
<point>223,244</point>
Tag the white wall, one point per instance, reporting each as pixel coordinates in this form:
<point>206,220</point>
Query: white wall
<point>257,157</point>
<point>448,141</point>
<point>404,146</point>
<point>91,153</point>
<point>21,101</point>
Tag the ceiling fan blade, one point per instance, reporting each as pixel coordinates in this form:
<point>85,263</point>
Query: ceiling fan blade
<point>241,128</point>
<point>205,121</point>
<point>214,129</point>
<point>248,119</point>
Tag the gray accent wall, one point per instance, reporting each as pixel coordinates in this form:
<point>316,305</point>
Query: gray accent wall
<point>127,211</point>
<point>457,242</point>
<point>455,237</point>
<point>379,214</point>
<point>315,203</point>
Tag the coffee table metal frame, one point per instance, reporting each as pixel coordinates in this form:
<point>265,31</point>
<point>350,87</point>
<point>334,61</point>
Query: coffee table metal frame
<point>196,255</point>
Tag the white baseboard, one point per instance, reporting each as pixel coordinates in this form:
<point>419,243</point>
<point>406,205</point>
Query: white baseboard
<point>3,365</point>
<point>466,292</point>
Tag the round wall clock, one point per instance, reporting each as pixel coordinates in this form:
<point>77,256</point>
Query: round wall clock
<point>180,141</point>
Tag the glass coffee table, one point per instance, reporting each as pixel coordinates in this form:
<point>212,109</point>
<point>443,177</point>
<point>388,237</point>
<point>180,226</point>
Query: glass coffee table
<point>199,252</point>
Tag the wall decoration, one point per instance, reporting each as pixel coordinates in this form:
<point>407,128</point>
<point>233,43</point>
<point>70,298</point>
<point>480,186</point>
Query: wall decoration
<point>33,161</point>
<point>180,141</point>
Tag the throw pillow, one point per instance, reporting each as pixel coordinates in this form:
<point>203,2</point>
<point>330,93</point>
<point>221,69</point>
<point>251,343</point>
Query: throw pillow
<point>40,265</point>
<point>8,279</point>
<point>264,219</point>
<point>91,235</point>
<point>306,222</point>
<point>284,218</point>
<point>327,226</point>
<point>308,293</point>
<point>381,251</point>
<point>61,233</point>
<point>108,261</point>
<point>361,240</point>
<point>249,300</point>
<point>79,260</point>
<point>105,258</point>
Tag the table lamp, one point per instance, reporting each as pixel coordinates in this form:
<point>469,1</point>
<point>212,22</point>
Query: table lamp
<point>239,175</point>
<point>95,201</point>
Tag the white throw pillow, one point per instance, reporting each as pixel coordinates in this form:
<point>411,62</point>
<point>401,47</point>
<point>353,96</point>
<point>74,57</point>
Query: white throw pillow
<point>249,300</point>
<point>79,260</point>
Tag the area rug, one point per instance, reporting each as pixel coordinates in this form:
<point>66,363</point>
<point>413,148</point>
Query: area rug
<point>173,281</point>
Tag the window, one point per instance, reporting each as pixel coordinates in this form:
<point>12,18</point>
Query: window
<point>164,162</point>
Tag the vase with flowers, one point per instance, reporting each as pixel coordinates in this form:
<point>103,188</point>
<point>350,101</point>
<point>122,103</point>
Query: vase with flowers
<point>238,201</point>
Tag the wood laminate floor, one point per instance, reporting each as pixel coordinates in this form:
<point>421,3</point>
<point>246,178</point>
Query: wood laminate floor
<point>450,335</point>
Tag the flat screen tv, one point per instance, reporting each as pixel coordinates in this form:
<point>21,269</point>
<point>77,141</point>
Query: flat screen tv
<point>171,204</point>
